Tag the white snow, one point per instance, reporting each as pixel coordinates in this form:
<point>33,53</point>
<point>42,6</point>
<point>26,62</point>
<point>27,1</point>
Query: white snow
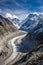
<point>10,16</point>
<point>36,13</point>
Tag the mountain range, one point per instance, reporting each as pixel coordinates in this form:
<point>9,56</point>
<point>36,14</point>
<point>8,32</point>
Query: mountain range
<point>32,20</point>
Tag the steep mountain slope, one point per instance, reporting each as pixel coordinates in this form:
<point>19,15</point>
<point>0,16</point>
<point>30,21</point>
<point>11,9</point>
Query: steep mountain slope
<point>32,44</point>
<point>14,19</point>
<point>6,26</point>
<point>16,22</point>
<point>30,22</point>
<point>34,37</point>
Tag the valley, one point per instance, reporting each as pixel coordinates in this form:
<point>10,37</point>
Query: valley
<point>21,47</point>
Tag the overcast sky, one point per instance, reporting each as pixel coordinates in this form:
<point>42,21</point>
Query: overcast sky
<point>20,7</point>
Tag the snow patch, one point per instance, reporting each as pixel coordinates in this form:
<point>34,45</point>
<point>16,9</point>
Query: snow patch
<point>10,16</point>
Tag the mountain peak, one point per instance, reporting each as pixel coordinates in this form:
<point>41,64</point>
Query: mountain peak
<point>6,26</point>
<point>10,16</point>
<point>36,13</point>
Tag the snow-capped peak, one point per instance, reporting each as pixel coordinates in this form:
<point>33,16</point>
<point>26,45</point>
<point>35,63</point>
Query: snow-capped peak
<point>36,13</point>
<point>10,16</point>
<point>34,18</point>
<point>14,16</point>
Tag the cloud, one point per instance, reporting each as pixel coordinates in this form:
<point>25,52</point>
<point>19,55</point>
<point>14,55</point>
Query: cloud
<point>9,15</point>
<point>30,5</point>
<point>20,14</point>
<point>2,0</point>
<point>0,10</point>
<point>41,8</point>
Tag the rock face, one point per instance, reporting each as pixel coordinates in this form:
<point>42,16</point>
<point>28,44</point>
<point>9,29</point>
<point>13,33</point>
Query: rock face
<point>32,43</point>
<point>5,52</point>
<point>31,21</point>
<point>34,36</point>
<point>6,26</point>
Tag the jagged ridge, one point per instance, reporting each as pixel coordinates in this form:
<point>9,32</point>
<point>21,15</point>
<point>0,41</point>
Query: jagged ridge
<point>6,26</point>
